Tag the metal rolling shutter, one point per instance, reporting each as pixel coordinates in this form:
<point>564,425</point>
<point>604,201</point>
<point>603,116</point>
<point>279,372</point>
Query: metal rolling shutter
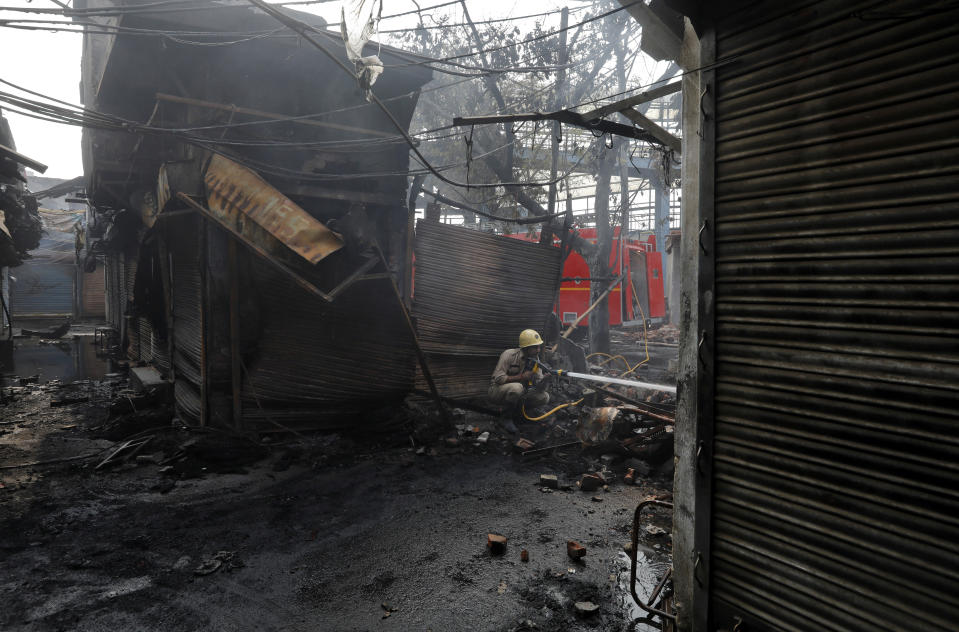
<point>322,365</point>
<point>184,244</point>
<point>92,299</point>
<point>467,302</point>
<point>836,447</point>
<point>130,322</point>
<point>42,289</point>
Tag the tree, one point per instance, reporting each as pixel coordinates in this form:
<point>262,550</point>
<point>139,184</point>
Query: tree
<point>599,55</point>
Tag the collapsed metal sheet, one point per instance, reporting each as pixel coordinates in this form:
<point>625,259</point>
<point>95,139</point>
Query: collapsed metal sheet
<point>474,292</point>
<point>320,364</point>
<point>187,326</point>
<point>235,193</point>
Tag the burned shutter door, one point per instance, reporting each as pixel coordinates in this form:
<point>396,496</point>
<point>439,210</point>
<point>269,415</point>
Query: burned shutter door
<point>184,248</point>
<point>42,288</point>
<point>836,450</point>
<point>44,284</point>
<point>473,293</point>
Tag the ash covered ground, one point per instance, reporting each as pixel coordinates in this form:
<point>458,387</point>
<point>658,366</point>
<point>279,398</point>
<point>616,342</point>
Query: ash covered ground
<point>205,530</point>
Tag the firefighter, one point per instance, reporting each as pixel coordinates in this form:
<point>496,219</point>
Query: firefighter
<point>516,378</point>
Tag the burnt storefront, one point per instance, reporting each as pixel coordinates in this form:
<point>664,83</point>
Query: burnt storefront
<point>817,433</point>
<point>251,224</point>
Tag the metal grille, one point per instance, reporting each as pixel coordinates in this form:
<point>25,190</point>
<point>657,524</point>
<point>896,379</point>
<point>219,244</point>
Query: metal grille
<point>473,293</point>
<point>836,450</point>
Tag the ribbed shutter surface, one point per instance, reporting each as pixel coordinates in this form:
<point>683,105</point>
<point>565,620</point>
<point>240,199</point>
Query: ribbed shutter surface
<point>473,293</point>
<point>836,471</point>
<point>187,318</point>
<point>42,289</point>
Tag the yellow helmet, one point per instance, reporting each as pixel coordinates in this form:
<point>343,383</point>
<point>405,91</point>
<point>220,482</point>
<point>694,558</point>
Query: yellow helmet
<point>529,338</point>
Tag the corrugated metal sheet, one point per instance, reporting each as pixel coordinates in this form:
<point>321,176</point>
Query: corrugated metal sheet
<point>42,289</point>
<point>474,292</point>
<point>130,321</point>
<point>184,248</point>
<point>236,194</point>
<point>836,450</point>
<point>112,271</point>
<point>44,283</point>
<point>317,362</point>
<point>92,294</point>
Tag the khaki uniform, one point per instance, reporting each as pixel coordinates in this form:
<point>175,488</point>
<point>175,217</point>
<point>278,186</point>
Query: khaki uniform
<point>511,362</point>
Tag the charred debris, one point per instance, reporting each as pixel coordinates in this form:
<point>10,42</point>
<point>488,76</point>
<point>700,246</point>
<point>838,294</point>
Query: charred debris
<point>20,225</point>
<point>259,261</point>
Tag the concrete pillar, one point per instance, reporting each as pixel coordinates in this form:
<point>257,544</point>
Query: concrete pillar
<point>692,481</point>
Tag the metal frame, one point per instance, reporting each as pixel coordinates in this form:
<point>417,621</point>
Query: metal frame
<point>694,414</point>
<point>648,605</point>
<point>706,338</point>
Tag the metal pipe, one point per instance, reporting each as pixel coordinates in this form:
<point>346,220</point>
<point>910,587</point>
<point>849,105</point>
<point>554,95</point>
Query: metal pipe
<point>648,605</point>
<point>665,388</point>
<point>420,355</point>
<point>268,115</point>
<point>301,281</point>
<point>593,306</point>
<point>551,447</point>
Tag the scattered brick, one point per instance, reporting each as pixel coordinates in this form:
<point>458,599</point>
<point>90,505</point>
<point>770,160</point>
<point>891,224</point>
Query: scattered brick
<point>575,550</point>
<point>590,483</point>
<point>496,543</point>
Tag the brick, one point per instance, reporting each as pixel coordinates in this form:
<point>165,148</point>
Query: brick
<point>549,480</point>
<point>575,550</point>
<point>496,543</point>
<point>524,444</point>
<point>590,483</point>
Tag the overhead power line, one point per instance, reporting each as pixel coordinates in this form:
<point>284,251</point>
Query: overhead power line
<point>302,28</point>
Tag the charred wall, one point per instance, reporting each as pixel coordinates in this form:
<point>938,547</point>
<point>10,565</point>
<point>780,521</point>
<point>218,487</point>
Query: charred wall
<point>281,108</point>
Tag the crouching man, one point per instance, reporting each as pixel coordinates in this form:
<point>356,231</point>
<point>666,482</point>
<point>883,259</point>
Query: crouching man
<point>513,383</point>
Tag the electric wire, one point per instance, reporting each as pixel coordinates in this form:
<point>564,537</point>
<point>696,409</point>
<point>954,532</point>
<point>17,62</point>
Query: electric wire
<point>526,41</point>
<point>299,27</point>
<point>124,125</point>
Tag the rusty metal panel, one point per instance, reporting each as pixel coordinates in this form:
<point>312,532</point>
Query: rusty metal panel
<point>130,327</point>
<point>236,193</point>
<point>93,290</point>
<point>183,243</point>
<point>320,364</point>
<point>835,480</point>
<point>474,292</point>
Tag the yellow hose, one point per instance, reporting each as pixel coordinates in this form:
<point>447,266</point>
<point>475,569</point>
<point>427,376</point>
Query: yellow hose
<point>645,333</point>
<point>541,417</point>
<point>609,359</point>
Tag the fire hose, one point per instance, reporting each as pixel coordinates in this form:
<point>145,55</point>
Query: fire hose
<point>533,364</point>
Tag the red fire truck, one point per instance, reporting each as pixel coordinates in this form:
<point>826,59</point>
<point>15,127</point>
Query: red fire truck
<point>640,262</point>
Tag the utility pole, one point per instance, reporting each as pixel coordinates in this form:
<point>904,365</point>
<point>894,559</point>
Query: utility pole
<point>623,182</point>
<point>557,104</point>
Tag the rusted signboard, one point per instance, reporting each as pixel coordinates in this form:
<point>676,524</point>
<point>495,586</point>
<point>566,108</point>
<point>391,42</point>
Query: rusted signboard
<point>236,193</point>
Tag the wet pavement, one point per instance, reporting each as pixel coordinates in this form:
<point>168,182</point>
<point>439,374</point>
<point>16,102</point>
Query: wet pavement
<point>78,355</point>
<point>326,533</point>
